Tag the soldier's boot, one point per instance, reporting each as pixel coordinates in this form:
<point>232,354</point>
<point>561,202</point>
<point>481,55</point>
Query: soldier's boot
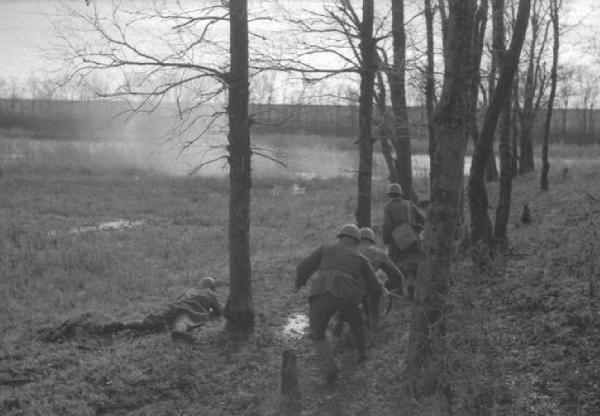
<point>329,367</point>
<point>360,340</point>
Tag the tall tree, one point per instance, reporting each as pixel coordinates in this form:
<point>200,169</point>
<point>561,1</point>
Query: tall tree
<point>397,78</point>
<point>239,309</point>
<point>365,138</point>
<point>481,229</point>
<point>172,69</point>
<point>447,164</point>
<point>503,209</point>
<point>554,16</point>
<point>382,130</point>
<point>350,41</point>
<point>534,83</point>
<point>430,71</point>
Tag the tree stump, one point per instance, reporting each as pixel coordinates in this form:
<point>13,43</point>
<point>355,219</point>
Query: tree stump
<point>290,389</point>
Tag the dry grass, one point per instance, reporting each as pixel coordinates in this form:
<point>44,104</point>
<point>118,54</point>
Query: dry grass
<point>49,273</point>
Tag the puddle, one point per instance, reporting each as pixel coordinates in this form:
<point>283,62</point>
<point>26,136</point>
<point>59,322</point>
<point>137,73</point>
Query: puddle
<point>296,325</point>
<point>117,225</point>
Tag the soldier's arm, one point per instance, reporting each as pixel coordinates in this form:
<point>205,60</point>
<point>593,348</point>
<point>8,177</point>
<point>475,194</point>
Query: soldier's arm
<point>373,285</point>
<point>393,273</point>
<point>307,267</point>
<point>419,217</point>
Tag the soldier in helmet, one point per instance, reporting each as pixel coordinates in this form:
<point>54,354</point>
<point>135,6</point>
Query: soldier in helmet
<point>191,310</point>
<point>343,278</point>
<point>380,260</point>
<point>395,213</point>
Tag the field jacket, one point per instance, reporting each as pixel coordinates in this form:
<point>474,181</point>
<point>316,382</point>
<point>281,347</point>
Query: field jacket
<point>195,302</point>
<point>380,260</point>
<point>341,271</point>
<point>394,215</point>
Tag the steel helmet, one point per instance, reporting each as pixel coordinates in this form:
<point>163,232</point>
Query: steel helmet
<point>208,283</point>
<point>349,230</point>
<point>394,189</point>
<point>367,234</point>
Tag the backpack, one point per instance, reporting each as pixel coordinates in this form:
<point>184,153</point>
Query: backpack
<point>404,235</point>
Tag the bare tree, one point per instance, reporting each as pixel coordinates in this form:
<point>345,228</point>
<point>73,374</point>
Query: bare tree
<point>397,79</point>
<point>481,229</point>
<point>504,199</point>
<point>447,163</point>
<point>429,72</point>
<point>365,138</point>
<point>156,53</point>
<point>534,82</point>
<point>555,5</point>
<point>239,309</point>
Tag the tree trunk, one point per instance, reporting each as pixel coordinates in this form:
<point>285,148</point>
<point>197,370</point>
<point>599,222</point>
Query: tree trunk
<point>383,131</point>
<point>474,67</point>
<point>514,127</point>
<point>503,209</point>
<point>365,139</point>
<point>478,199</point>
<point>553,77</point>
<point>239,309</point>
<point>397,78</point>
<point>527,112</point>
<point>447,164</point>
<point>430,74</point>
<point>491,168</point>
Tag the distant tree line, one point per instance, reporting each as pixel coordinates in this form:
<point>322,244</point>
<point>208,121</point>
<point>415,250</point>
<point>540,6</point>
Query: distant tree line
<point>103,120</point>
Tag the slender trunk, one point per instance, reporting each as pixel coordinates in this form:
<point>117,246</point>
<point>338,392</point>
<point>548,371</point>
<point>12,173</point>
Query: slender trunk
<point>382,129</point>
<point>444,24</point>
<point>365,139</point>
<point>514,127</point>
<point>478,199</point>
<point>503,209</point>
<point>553,79</point>
<point>429,76</point>
<point>506,175</point>
<point>527,113</point>
<point>447,163</point>
<point>239,309</point>
<point>475,66</point>
<point>397,77</point>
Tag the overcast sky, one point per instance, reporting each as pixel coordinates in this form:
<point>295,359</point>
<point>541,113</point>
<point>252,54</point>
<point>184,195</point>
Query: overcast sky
<point>25,33</point>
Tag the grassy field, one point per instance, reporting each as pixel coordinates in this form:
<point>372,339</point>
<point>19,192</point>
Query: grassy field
<point>523,337</point>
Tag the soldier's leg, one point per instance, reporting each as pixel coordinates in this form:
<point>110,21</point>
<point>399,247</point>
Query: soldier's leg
<point>410,271</point>
<point>181,328</point>
<point>352,314</point>
<point>152,322</point>
<point>322,308</point>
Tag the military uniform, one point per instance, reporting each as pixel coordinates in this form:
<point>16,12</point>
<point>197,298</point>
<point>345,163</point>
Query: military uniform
<point>395,214</point>
<point>343,278</point>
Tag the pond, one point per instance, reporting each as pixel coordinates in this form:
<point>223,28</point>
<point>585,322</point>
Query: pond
<point>166,157</point>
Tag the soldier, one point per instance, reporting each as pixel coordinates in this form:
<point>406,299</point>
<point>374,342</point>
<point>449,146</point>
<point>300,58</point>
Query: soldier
<point>395,213</point>
<point>191,310</point>
<point>380,260</point>
<point>343,278</point>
